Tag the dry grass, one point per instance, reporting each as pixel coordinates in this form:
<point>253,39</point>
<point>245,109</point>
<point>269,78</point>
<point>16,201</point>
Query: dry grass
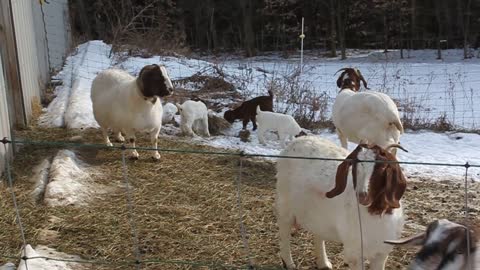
<point>185,209</point>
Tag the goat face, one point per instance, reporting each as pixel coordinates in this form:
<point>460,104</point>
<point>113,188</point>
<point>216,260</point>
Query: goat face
<point>379,185</point>
<point>229,116</point>
<point>154,81</point>
<point>443,246</point>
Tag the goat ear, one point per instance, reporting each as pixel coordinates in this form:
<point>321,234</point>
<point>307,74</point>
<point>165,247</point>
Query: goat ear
<point>414,240</point>
<point>342,174</point>
<point>340,79</point>
<point>395,185</point>
<point>364,82</point>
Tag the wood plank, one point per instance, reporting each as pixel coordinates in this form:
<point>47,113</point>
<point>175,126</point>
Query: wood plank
<point>10,65</point>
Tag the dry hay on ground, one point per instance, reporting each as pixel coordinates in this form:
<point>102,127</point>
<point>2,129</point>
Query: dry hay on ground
<point>215,92</point>
<point>186,209</point>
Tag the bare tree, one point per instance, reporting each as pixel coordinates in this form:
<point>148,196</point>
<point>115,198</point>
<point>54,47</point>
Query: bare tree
<point>249,35</point>
<point>341,18</point>
<point>333,32</point>
<point>466,28</point>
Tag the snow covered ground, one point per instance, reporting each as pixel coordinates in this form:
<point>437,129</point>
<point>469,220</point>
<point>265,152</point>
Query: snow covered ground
<point>433,87</point>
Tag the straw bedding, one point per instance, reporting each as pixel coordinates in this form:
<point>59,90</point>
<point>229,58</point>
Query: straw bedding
<point>185,208</point>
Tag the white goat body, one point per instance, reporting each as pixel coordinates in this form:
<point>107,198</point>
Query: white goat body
<point>369,115</point>
<point>301,201</point>
<point>118,104</point>
<point>284,124</point>
<point>194,117</point>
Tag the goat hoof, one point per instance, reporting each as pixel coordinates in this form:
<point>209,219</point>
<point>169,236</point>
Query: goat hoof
<point>156,157</point>
<point>328,267</point>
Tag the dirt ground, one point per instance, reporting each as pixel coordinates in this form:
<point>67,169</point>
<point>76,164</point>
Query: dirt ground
<point>185,209</point>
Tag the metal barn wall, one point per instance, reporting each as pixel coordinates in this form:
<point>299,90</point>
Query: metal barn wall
<point>30,72</point>
<point>41,42</point>
<point>4,118</point>
<point>57,24</point>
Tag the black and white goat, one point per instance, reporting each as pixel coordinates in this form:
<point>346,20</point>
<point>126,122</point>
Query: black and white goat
<point>445,245</point>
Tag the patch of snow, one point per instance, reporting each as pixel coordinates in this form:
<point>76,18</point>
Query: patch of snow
<point>70,182</point>
<point>40,179</point>
<point>8,266</point>
<point>43,264</point>
<point>424,147</point>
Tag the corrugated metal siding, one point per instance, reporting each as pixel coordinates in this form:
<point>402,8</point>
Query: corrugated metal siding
<point>4,119</point>
<point>27,53</point>
<point>57,23</point>
<point>41,42</point>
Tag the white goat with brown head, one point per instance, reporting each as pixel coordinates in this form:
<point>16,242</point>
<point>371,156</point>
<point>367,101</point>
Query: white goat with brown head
<point>324,198</point>
<point>364,116</point>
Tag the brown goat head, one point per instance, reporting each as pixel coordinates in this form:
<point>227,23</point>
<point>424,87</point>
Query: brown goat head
<point>387,183</point>
<point>153,80</point>
<point>350,78</point>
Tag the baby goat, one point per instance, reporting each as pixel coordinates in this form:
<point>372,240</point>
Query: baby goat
<point>247,111</point>
<point>323,197</point>
<point>194,117</point>
<point>444,246</point>
<point>284,124</point>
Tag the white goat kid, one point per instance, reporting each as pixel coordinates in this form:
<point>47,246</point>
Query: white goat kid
<point>127,104</point>
<point>284,124</point>
<point>444,246</point>
<point>323,199</point>
<point>194,117</point>
<point>169,111</point>
<point>365,116</point>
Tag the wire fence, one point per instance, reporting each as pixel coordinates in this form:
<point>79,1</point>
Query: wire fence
<point>137,261</point>
<point>427,92</point>
<point>423,87</point>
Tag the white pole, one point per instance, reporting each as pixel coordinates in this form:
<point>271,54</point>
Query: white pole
<point>302,36</point>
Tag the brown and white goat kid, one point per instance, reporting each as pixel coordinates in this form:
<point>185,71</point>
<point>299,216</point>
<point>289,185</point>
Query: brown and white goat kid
<point>444,246</point>
<point>322,197</point>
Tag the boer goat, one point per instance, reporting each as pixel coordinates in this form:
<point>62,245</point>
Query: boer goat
<point>248,110</point>
<point>322,197</point>
<point>127,104</point>
<point>365,116</point>
<point>444,246</point>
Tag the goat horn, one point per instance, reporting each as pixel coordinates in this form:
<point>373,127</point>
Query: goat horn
<point>340,70</point>
<point>357,72</point>
<point>396,145</point>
